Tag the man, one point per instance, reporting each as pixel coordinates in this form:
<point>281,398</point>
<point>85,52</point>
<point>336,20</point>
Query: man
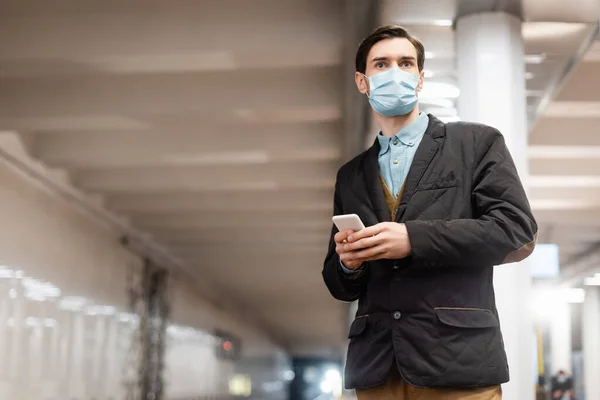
<point>562,386</point>
<point>443,204</point>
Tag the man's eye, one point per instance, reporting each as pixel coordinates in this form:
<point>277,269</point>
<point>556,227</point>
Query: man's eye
<point>379,65</point>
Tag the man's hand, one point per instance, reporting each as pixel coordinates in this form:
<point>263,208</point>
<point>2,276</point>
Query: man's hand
<point>386,240</point>
<point>348,257</point>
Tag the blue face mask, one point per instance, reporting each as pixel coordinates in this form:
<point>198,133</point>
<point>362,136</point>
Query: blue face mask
<point>393,92</point>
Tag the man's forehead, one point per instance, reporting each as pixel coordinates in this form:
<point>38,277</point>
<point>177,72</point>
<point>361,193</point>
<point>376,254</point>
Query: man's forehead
<point>393,48</point>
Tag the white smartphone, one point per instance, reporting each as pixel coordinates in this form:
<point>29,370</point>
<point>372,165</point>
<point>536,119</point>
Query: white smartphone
<point>348,222</point>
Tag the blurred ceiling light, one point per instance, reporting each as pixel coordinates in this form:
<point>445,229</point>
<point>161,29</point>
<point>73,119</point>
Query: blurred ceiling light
<point>240,385</point>
<point>127,317</point>
<point>557,181</point>
<point>38,288</point>
<point>429,55</point>
<point>72,303</point>
<point>563,152</point>
<point>442,22</point>
<point>6,273</point>
<point>332,382</point>
<point>288,375</point>
<point>50,322</point>
<point>592,281</point>
<point>551,30</point>
<point>529,75</point>
<point>534,58</point>
<point>100,310</point>
<point>562,204</point>
<point>545,301</point>
<point>455,118</point>
<point>446,103</point>
<point>432,90</point>
<point>442,112</point>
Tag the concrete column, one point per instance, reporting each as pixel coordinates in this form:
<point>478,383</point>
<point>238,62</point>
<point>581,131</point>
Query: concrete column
<point>561,349</point>
<point>591,342</point>
<point>491,77</point>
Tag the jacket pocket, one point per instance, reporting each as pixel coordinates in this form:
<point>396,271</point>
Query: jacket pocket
<point>358,326</point>
<point>467,317</point>
<point>438,185</point>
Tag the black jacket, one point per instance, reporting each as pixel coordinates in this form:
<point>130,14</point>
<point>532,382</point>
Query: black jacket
<point>561,386</point>
<point>434,312</point>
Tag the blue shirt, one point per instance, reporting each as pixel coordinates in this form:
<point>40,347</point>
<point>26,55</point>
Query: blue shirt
<point>396,155</point>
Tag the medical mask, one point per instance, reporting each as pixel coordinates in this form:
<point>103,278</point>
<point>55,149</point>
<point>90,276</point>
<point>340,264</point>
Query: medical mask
<point>393,92</point>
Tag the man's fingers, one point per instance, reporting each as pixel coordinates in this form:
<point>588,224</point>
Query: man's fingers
<point>365,243</point>
<point>359,257</point>
<point>340,246</point>
<point>350,262</point>
<point>369,253</point>
<point>342,236</point>
<point>365,233</point>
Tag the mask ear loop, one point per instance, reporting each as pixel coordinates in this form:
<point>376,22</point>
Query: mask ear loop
<point>368,85</point>
<point>419,86</point>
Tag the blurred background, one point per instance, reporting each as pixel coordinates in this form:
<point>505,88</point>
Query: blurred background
<point>166,183</point>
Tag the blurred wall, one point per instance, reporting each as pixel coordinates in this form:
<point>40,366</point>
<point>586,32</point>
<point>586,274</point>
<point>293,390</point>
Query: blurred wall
<point>65,326</point>
<point>192,367</point>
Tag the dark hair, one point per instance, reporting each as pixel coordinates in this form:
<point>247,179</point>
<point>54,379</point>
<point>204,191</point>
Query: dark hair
<point>387,32</point>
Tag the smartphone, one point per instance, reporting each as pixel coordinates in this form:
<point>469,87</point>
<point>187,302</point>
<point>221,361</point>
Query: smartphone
<point>348,222</point>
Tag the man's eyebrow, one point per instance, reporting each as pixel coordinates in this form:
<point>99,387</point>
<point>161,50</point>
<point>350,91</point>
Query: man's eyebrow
<point>377,59</point>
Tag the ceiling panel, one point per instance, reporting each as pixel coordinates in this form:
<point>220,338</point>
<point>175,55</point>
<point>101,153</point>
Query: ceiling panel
<point>555,37</point>
<point>213,127</point>
<point>566,131</point>
<point>558,11</point>
<point>583,84</point>
<point>559,166</point>
<point>158,202</point>
<point>224,93</point>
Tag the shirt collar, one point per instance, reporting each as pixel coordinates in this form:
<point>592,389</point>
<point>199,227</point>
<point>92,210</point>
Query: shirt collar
<point>408,135</point>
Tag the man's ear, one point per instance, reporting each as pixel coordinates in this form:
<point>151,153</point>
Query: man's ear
<point>361,82</point>
<point>421,79</point>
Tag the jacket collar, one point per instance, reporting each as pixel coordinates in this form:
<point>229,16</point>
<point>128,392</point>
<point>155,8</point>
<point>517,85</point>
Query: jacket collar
<point>434,134</point>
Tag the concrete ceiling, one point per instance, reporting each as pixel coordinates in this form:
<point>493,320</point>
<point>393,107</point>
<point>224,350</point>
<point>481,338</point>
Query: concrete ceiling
<point>565,156</point>
<point>217,128</point>
<point>213,126</point>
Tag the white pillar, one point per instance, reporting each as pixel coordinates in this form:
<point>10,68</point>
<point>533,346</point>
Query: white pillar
<point>561,350</point>
<point>491,77</point>
<point>591,342</point>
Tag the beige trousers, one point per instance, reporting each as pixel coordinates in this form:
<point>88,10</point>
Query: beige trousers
<point>395,388</point>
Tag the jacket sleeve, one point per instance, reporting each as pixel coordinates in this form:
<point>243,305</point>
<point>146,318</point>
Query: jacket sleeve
<point>504,230</point>
<point>341,285</point>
